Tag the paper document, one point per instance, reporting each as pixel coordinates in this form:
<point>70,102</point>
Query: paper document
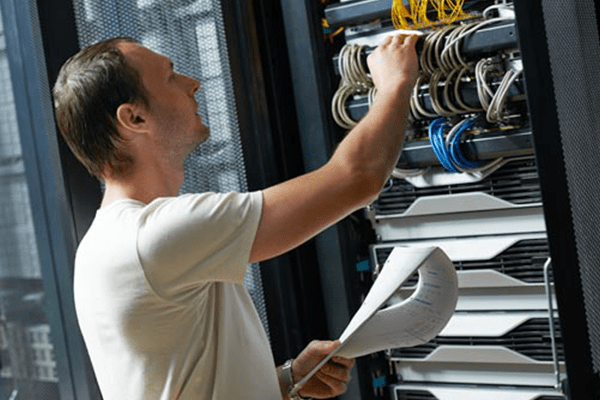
<point>382,323</point>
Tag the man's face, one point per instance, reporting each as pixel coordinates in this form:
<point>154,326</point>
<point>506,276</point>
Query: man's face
<point>172,108</point>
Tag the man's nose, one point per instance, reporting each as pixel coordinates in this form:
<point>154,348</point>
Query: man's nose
<point>195,85</point>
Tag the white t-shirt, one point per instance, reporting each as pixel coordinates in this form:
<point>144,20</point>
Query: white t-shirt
<point>160,301</point>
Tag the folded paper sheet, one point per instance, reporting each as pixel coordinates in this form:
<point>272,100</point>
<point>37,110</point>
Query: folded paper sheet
<point>378,325</point>
<point>381,324</point>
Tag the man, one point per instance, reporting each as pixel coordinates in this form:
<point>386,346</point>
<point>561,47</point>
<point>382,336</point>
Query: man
<point>158,277</point>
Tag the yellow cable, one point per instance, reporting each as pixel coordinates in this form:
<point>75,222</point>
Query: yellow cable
<point>400,14</point>
<point>422,13</point>
<point>448,11</point>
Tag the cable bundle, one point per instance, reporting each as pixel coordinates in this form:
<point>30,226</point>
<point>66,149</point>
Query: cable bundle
<point>443,65</point>
<point>351,67</point>
<point>441,48</point>
<point>436,137</point>
<point>444,94</point>
<point>494,102</point>
<point>448,11</point>
<point>448,150</point>
<point>355,81</point>
<point>443,70</point>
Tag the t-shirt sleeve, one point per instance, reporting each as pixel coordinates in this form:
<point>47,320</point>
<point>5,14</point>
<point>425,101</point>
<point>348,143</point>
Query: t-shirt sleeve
<point>196,238</point>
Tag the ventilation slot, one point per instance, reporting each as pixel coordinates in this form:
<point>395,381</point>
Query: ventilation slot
<point>550,398</point>
<point>532,339</point>
<point>517,182</point>
<point>402,394</point>
<point>414,395</point>
<point>524,261</point>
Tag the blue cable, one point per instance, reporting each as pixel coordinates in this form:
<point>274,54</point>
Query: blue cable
<point>438,144</point>
<point>456,155</point>
<point>436,137</point>
<point>433,138</point>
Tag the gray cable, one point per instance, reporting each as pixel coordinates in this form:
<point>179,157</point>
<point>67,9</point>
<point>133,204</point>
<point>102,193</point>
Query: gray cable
<point>354,81</point>
<point>417,103</point>
<point>434,95</point>
<point>497,110</point>
<point>457,96</point>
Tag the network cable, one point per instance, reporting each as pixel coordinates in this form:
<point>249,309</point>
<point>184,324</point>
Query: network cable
<point>448,150</point>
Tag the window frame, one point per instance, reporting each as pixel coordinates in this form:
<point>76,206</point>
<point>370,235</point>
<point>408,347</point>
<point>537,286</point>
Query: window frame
<point>54,223</point>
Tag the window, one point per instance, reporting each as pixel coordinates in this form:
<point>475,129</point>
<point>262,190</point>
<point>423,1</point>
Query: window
<point>26,371</point>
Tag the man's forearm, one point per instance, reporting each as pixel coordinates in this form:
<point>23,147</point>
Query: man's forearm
<point>374,145</point>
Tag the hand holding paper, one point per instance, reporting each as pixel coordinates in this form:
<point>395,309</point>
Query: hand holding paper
<point>378,325</point>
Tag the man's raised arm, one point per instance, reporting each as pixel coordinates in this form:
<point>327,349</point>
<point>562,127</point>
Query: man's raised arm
<point>296,210</point>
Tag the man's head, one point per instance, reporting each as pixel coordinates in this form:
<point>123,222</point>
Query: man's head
<point>90,87</point>
<point>111,93</point>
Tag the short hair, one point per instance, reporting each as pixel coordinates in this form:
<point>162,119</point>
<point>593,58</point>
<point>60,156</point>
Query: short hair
<point>91,85</point>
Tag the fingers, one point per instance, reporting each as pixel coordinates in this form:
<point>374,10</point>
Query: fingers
<point>321,348</point>
<point>340,372</point>
<point>346,362</point>
<point>331,379</point>
<point>327,382</point>
<point>312,355</point>
<point>336,386</point>
<point>393,38</point>
<point>399,39</point>
<point>391,48</point>
<point>386,41</point>
<point>411,41</point>
<point>322,388</point>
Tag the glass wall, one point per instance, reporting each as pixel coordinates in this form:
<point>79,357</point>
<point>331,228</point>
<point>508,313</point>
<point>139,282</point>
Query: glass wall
<point>28,368</point>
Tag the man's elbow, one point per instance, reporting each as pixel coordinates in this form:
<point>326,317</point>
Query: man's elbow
<point>362,182</point>
<point>368,186</point>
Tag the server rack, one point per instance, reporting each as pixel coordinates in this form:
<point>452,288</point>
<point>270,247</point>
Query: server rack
<point>522,321</point>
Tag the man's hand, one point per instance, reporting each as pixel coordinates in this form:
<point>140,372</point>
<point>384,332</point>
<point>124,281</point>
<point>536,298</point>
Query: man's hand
<point>331,379</point>
<point>393,63</point>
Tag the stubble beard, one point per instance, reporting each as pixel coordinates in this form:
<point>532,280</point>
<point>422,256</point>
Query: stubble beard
<point>203,135</point>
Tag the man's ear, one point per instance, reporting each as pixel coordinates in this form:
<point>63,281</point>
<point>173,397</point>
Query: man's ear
<point>131,117</point>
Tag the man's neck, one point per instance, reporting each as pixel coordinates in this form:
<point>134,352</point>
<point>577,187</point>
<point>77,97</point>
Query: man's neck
<point>145,184</point>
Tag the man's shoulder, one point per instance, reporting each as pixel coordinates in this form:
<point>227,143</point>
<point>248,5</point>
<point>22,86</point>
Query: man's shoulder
<point>203,204</point>
<point>111,224</point>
